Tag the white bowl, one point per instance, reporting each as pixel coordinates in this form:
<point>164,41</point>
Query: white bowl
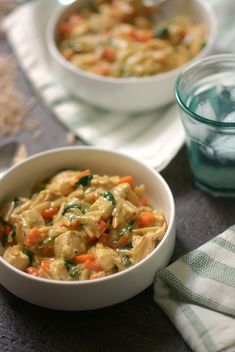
<point>85,295</point>
<point>127,94</point>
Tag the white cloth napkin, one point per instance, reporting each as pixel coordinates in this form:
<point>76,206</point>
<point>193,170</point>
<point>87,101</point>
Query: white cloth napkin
<point>197,292</point>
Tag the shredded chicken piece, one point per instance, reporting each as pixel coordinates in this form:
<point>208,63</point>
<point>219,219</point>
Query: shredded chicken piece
<point>55,271</point>
<point>103,206</point>
<point>107,257</point>
<point>27,220</point>
<point>16,257</point>
<point>69,244</point>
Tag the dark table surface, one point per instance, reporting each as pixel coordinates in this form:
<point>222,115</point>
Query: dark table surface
<point>137,324</point>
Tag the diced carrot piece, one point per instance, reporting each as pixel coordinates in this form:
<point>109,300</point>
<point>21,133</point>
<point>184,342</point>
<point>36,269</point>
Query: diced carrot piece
<point>145,218</point>
<point>102,70</point>
<point>93,60</point>
<point>104,238</point>
<point>49,212</point>
<point>91,239</point>
<point>151,11</point>
<point>83,173</point>
<point>183,33</point>
<point>68,53</point>
<point>123,240</point>
<point>127,17</point>
<point>34,236</point>
<point>47,251</point>
<point>32,271</point>
<point>97,275</point>
<point>7,229</point>
<point>105,35</point>
<point>127,179</point>
<point>144,36</point>
<point>45,265</point>
<point>144,201</point>
<point>72,225</point>
<point>65,29</point>
<point>109,54</point>
<point>102,225</point>
<point>90,264</point>
<point>82,258</point>
<point>114,245</point>
<point>76,19</point>
<point>95,196</point>
<point>131,35</point>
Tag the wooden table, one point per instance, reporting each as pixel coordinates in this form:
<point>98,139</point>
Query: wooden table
<point>137,324</point>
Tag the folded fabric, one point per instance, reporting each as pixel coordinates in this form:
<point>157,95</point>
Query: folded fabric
<point>197,292</point>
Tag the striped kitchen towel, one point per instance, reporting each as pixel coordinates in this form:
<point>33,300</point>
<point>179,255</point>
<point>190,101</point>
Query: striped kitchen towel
<point>154,137</point>
<point>197,293</point>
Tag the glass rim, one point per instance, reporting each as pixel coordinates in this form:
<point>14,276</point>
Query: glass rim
<point>209,59</point>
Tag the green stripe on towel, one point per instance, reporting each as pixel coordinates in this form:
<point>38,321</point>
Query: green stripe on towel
<point>203,265</point>
<point>184,293</point>
<point>197,325</point>
<point>224,243</point>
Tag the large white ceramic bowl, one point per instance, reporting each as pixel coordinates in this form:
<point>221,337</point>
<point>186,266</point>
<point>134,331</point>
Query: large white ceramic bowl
<point>85,295</point>
<point>127,94</point>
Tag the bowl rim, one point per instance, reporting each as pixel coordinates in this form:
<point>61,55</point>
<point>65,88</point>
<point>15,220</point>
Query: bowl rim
<point>170,225</point>
<point>53,49</point>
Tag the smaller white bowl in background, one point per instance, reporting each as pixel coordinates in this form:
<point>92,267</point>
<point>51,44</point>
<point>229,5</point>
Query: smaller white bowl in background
<point>127,94</point>
<point>103,292</point>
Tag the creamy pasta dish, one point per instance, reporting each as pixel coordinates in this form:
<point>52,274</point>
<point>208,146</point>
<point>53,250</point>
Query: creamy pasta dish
<point>123,38</point>
<point>80,226</point>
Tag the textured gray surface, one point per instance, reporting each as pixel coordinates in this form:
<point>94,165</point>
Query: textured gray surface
<point>137,324</point>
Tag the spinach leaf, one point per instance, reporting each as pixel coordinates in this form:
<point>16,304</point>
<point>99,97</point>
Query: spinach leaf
<point>109,196</point>
<point>69,264</point>
<point>49,223</point>
<point>161,32</point>
<point>47,242</point>
<point>74,272</point>
<point>3,222</point>
<point>73,206</point>
<point>71,216</point>
<point>203,45</point>
<point>72,268</point>
<point>127,228</point>
<point>121,70</point>
<point>4,239</point>
<point>29,254</point>
<point>7,231</point>
<point>85,180</point>
<point>126,261</point>
<point>16,202</point>
<point>12,236</point>
<point>128,246</point>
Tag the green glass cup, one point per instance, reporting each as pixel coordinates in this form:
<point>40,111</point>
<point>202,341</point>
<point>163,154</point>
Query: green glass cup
<point>205,93</point>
